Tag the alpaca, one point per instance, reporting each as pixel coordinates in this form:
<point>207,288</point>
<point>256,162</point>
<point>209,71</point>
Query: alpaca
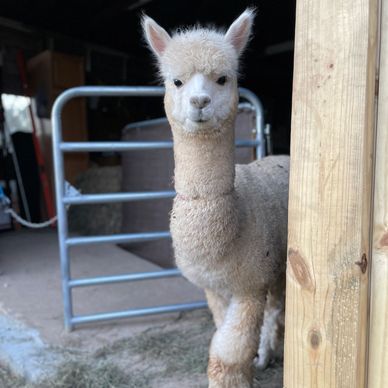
<point>229,222</point>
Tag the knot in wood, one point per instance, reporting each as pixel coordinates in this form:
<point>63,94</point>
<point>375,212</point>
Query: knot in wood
<point>363,263</point>
<point>315,338</point>
<point>300,269</point>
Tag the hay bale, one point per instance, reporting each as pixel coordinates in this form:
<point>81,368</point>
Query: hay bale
<point>99,218</point>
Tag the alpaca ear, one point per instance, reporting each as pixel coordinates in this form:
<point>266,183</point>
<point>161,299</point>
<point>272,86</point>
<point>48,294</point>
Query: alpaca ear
<point>239,32</point>
<point>156,36</point>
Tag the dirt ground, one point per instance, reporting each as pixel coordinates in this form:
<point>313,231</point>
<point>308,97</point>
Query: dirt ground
<point>167,356</point>
<point>164,351</point>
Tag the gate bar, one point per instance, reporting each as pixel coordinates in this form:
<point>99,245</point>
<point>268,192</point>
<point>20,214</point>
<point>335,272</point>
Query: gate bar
<point>80,319</point>
<point>132,277</point>
<point>116,197</point>
<point>132,146</point>
<point>118,146</point>
<point>117,238</point>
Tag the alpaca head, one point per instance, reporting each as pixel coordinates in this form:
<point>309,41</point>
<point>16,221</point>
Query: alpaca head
<point>199,67</point>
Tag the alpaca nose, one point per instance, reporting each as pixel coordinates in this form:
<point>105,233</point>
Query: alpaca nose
<point>200,102</point>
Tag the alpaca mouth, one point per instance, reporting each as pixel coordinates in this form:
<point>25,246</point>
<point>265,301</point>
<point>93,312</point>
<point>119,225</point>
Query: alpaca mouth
<point>198,121</point>
<point>199,117</point>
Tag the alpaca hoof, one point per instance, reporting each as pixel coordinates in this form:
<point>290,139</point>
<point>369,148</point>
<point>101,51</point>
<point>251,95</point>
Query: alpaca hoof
<point>230,383</point>
<point>261,363</point>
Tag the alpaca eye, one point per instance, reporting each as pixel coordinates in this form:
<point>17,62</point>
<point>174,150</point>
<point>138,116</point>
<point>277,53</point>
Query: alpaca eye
<point>221,80</point>
<point>178,83</point>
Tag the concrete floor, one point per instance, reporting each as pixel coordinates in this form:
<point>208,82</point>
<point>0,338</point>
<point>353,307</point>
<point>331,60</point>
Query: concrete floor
<point>31,309</point>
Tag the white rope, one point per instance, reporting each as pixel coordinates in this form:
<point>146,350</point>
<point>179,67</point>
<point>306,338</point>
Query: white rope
<point>5,203</point>
<point>35,225</point>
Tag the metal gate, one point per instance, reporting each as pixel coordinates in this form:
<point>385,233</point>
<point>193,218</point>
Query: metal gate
<point>63,200</point>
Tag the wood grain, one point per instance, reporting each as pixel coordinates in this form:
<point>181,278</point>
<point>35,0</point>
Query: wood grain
<point>378,337</point>
<point>330,193</point>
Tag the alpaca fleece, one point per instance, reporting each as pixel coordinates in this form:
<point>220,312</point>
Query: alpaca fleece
<point>229,222</point>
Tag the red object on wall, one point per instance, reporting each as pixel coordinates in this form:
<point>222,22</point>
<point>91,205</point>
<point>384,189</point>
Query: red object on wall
<point>48,200</point>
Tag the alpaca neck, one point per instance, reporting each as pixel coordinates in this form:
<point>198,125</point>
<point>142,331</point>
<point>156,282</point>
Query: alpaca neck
<point>204,166</point>
<point>206,203</point>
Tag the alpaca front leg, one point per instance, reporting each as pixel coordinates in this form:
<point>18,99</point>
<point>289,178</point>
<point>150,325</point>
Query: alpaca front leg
<point>234,344</point>
<point>218,306</point>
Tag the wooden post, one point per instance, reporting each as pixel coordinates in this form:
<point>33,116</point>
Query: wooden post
<point>378,337</point>
<point>330,193</point>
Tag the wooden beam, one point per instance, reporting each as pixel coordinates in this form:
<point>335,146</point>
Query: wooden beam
<point>378,337</point>
<point>330,193</point>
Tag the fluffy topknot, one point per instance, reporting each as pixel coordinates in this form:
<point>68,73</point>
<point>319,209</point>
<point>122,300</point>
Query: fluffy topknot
<point>198,49</point>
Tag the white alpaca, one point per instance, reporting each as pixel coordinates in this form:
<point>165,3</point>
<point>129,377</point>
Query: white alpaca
<point>229,223</point>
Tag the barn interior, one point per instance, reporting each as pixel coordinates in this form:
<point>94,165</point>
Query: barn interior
<point>107,37</point>
<point>47,47</point>
<point>65,44</point>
